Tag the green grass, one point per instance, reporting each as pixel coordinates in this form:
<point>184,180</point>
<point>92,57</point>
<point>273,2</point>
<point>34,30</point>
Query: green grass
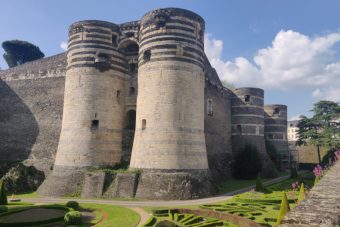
<point>236,184</point>
<point>31,194</point>
<point>116,216</point>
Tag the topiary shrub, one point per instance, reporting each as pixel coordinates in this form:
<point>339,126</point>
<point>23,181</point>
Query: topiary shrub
<point>72,204</point>
<point>302,193</point>
<point>293,173</point>
<point>247,163</point>
<point>284,208</point>
<point>259,186</point>
<point>72,218</point>
<point>3,193</point>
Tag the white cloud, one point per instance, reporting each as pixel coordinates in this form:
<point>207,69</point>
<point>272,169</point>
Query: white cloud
<point>63,45</point>
<point>293,60</point>
<point>295,118</point>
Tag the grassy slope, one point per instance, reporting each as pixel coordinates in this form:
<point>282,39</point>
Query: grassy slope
<point>235,184</point>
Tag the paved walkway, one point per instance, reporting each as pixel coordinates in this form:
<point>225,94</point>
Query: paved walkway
<point>144,216</point>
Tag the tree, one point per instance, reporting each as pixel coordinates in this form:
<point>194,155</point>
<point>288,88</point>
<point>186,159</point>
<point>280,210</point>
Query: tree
<point>3,194</point>
<point>18,52</point>
<point>323,129</point>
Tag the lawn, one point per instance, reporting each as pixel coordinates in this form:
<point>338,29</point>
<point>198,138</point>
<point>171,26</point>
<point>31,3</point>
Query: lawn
<point>114,216</point>
<point>236,184</point>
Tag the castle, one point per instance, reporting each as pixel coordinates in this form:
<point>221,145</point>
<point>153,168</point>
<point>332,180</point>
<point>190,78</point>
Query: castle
<point>146,83</point>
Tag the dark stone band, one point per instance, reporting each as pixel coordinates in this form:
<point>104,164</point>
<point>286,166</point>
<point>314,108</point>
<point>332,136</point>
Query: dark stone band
<point>173,59</point>
<point>95,66</point>
<point>192,42</point>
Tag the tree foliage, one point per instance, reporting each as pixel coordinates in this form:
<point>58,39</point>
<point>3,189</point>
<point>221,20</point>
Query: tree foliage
<point>18,52</point>
<point>247,163</point>
<point>3,194</point>
<point>323,128</point>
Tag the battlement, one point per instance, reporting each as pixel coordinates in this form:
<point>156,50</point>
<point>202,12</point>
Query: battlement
<point>53,66</point>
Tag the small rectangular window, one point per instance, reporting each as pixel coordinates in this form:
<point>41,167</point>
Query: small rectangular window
<point>95,124</point>
<point>143,124</point>
<point>247,98</point>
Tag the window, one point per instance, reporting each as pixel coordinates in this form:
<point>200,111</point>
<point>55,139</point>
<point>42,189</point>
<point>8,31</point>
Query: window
<point>132,67</point>
<point>131,91</point>
<point>147,55</point>
<point>143,124</point>
<point>114,40</point>
<point>276,111</point>
<point>95,124</point>
<point>118,94</point>
<point>210,111</point>
<point>247,98</point>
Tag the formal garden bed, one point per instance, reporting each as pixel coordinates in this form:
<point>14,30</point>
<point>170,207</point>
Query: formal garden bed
<point>71,213</point>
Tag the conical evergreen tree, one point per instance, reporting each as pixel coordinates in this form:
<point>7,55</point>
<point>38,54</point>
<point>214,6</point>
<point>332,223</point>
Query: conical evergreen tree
<point>301,193</point>
<point>3,194</point>
<point>284,209</point>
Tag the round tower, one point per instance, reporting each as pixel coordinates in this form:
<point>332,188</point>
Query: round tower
<point>276,131</point>
<point>248,125</point>
<point>169,134</point>
<point>92,121</point>
<point>248,119</point>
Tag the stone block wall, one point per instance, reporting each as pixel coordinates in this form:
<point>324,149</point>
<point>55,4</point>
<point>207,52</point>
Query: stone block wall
<point>31,97</point>
<point>321,208</point>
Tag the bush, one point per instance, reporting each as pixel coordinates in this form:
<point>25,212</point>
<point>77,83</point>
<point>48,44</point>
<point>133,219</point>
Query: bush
<point>259,186</point>
<point>72,204</point>
<point>166,223</point>
<point>72,218</point>
<point>247,163</point>
<point>293,173</point>
<point>3,194</point>
<point>3,209</point>
<point>272,152</point>
<point>284,208</point>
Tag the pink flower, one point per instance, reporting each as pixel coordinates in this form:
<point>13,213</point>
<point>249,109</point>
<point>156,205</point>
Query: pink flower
<point>318,171</point>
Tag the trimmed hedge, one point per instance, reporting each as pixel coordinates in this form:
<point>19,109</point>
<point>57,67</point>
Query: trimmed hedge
<point>33,223</point>
<point>3,209</point>
<point>73,218</point>
<point>72,204</point>
<point>150,222</point>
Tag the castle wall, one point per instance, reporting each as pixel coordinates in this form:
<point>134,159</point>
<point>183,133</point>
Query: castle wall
<point>31,97</point>
<point>217,128</point>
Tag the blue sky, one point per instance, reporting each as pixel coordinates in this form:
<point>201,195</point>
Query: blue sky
<point>289,48</point>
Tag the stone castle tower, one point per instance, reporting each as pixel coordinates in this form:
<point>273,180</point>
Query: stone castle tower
<point>141,92</point>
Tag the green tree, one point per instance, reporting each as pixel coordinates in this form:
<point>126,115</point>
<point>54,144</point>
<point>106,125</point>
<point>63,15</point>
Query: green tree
<point>18,52</point>
<point>3,194</point>
<point>323,128</point>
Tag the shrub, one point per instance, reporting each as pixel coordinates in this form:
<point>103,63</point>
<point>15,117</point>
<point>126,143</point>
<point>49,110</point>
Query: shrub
<point>3,209</point>
<point>72,218</point>
<point>3,194</point>
<point>293,173</point>
<point>72,204</point>
<point>259,186</point>
<point>284,208</point>
<point>301,193</point>
<point>272,152</point>
<point>247,163</point>
<point>166,223</point>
